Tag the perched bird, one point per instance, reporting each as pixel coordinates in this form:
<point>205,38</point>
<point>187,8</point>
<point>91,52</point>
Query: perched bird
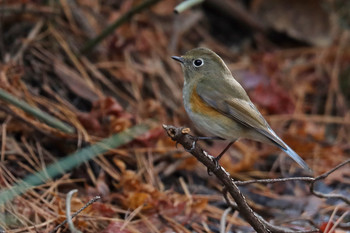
<point>219,106</point>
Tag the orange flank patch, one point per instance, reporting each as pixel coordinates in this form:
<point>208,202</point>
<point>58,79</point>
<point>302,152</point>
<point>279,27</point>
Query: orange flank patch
<point>199,106</point>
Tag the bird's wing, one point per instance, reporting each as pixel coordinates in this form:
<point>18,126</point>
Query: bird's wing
<point>235,104</point>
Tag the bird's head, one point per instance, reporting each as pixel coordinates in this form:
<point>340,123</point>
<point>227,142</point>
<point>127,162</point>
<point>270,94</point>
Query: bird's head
<point>202,62</point>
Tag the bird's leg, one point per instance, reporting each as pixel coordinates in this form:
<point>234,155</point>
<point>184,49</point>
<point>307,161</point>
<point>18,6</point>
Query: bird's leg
<point>195,139</point>
<point>217,158</point>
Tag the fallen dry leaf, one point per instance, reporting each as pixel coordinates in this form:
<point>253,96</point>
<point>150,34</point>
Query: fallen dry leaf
<point>106,116</point>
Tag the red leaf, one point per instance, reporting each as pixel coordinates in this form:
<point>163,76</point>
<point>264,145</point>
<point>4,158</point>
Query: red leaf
<point>324,225</point>
<point>272,98</point>
<point>106,116</point>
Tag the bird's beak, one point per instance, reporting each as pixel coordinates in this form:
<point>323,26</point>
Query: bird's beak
<point>179,59</point>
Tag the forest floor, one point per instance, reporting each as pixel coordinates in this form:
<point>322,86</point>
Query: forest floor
<point>76,113</point>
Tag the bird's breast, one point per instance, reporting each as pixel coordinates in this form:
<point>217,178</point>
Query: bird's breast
<point>207,119</point>
<point>198,106</point>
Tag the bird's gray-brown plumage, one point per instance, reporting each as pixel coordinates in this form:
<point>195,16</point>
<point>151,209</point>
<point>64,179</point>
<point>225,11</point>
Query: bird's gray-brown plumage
<point>218,104</point>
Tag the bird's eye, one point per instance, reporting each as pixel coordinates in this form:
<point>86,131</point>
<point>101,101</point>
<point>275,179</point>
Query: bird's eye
<point>198,62</point>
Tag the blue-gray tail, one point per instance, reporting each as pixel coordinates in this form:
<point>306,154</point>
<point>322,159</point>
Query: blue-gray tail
<point>277,141</point>
<point>296,157</point>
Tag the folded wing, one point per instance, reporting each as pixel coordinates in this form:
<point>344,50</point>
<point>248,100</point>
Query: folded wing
<point>237,106</point>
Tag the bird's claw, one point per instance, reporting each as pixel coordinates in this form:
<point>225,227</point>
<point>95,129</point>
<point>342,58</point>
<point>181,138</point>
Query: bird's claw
<point>215,160</point>
<point>192,147</point>
<point>217,166</point>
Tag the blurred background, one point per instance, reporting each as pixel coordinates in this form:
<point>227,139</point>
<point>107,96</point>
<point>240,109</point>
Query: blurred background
<point>74,73</point>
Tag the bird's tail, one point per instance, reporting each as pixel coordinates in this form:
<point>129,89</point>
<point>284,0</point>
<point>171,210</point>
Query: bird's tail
<point>296,157</point>
<point>277,141</point>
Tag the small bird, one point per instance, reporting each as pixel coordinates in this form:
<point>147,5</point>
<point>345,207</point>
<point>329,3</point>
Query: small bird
<point>219,106</point>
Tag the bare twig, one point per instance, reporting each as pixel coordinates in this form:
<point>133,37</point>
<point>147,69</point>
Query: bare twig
<point>227,199</point>
<point>325,175</point>
<point>76,213</point>
<point>312,181</point>
<point>271,227</point>
<point>270,181</point>
<point>180,135</point>
<point>278,229</point>
<point>187,141</point>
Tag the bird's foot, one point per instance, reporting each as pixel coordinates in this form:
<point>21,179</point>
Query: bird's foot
<point>195,139</point>
<point>217,158</point>
<point>217,166</point>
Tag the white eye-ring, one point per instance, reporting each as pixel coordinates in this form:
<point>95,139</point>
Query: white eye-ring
<point>198,62</point>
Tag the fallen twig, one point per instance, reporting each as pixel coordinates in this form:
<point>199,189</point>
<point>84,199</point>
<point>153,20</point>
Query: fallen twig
<point>69,218</point>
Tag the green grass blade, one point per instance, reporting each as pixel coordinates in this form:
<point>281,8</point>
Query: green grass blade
<point>43,116</point>
<point>71,161</point>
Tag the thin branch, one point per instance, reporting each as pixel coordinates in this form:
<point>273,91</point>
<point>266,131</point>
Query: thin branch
<point>312,181</point>
<point>325,175</point>
<point>181,136</point>
<point>270,181</point>
<point>271,227</point>
<point>76,213</point>
<point>227,199</point>
<point>278,229</point>
<point>187,142</point>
